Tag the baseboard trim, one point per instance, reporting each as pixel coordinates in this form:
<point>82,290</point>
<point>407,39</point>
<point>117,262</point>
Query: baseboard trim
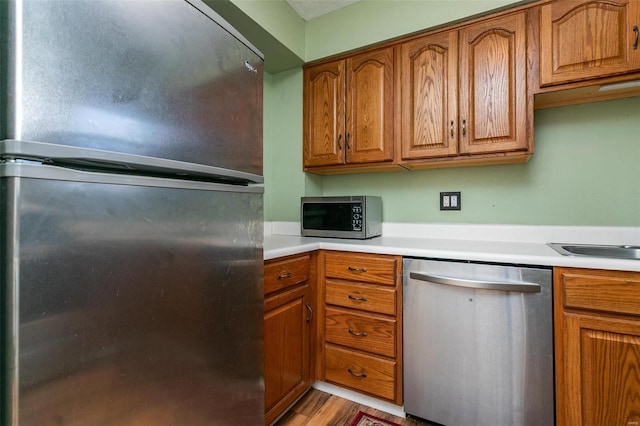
<point>387,407</point>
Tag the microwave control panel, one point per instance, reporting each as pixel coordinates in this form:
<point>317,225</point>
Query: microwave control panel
<point>356,217</point>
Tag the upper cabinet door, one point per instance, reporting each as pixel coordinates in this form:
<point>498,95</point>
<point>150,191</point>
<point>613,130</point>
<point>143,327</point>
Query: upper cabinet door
<point>582,39</point>
<point>429,96</point>
<point>369,127</point>
<point>494,108</point>
<point>324,136</point>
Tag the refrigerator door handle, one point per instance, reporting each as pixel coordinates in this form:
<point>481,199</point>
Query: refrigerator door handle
<point>521,287</point>
<point>96,159</point>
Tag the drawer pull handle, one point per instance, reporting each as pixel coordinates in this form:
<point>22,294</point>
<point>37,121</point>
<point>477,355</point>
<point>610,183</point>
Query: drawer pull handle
<point>362,375</point>
<point>310,317</point>
<point>285,275</point>
<point>359,334</point>
<point>357,299</point>
<point>637,31</point>
<point>356,269</point>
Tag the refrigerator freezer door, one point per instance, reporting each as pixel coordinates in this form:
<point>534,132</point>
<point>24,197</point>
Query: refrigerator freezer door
<point>130,303</point>
<point>152,78</point>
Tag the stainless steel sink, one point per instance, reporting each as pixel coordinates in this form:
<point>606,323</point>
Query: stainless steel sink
<point>595,250</point>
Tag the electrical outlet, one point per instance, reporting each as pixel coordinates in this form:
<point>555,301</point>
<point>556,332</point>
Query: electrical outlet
<point>450,201</point>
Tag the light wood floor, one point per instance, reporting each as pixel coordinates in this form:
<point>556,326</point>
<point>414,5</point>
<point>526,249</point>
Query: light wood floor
<point>319,408</point>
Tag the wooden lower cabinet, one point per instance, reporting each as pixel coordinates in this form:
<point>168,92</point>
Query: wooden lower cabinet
<point>361,338</point>
<point>287,333</point>
<point>597,323</point>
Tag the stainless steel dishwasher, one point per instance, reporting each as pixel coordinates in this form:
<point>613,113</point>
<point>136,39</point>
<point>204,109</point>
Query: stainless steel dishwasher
<point>478,343</point>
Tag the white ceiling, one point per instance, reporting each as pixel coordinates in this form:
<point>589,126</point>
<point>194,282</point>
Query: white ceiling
<point>309,9</point>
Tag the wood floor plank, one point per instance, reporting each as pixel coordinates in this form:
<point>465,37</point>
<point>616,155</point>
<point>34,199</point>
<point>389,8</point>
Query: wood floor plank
<point>310,403</point>
<point>319,408</point>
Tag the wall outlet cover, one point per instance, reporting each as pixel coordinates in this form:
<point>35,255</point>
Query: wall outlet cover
<point>450,201</point>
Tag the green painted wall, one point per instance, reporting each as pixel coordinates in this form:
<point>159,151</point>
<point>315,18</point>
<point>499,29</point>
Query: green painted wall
<point>373,21</point>
<point>279,19</point>
<point>584,171</point>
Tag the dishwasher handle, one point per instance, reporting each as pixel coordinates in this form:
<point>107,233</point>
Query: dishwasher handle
<point>521,287</point>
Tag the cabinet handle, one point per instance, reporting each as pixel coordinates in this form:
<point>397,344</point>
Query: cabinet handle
<point>358,334</point>
<point>339,139</point>
<point>451,128</point>
<point>346,141</point>
<point>363,374</point>
<point>637,31</point>
<point>464,127</point>
<point>308,319</point>
<point>357,299</point>
<point>356,269</point>
<point>285,275</point>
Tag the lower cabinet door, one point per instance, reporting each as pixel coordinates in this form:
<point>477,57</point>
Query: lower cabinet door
<point>286,350</point>
<point>365,373</point>
<point>599,375</point>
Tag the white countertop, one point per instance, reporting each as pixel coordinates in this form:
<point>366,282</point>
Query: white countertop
<point>484,243</point>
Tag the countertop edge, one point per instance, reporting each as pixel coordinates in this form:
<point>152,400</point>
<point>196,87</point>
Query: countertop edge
<point>538,254</point>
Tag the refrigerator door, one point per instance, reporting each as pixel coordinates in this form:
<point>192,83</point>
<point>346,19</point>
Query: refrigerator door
<point>153,78</point>
<point>129,300</point>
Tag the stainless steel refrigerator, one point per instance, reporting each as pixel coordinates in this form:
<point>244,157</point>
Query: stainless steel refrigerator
<point>131,215</point>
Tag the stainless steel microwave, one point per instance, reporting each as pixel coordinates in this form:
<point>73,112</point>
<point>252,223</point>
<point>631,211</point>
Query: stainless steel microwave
<point>358,217</point>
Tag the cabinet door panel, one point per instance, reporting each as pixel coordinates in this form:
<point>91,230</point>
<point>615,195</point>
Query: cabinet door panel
<point>429,78</point>
<point>286,350</point>
<point>493,93</point>
<point>586,39</point>
<point>324,87</point>
<point>602,371</point>
<point>370,107</point>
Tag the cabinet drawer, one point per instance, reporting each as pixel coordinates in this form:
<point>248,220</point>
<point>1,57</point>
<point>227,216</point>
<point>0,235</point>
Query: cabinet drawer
<point>376,269</point>
<point>359,331</point>
<point>287,272</point>
<point>361,296</point>
<point>366,373</point>
<point>609,291</point>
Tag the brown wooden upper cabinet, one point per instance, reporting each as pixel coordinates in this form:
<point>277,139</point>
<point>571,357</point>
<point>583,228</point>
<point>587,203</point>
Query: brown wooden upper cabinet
<point>465,91</point>
<point>585,39</point>
<point>348,110</point>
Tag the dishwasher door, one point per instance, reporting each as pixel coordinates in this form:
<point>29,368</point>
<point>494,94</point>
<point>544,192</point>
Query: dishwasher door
<point>478,343</point>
